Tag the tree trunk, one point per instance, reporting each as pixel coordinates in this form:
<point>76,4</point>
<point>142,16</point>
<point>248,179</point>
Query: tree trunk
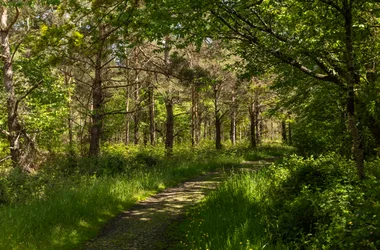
<point>290,133</point>
<point>169,141</point>
<point>97,111</point>
<point>262,129</point>
<point>97,100</point>
<point>205,122</point>
<point>257,121</point>
<point>352,79</point>
<point>127,116</point>
<point>233,121</point>
<point>14,127</point>
<point>194,117</point>
<point>218,122</point>
<point>70,118</point>
<point>136,115</point>
<point>283,131</point>
<point>152,126</point>
<point>252,125</point>
<point>145,137</point>
<point>374,128</point>
<point>218,132</point>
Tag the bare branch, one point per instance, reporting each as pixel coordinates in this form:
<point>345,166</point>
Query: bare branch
<point>5,132</point>
<point>6,158</point>
<point>295,63</point>
<point>119,86</point>
<point>14,20</point>
<point>16,49</point>
<point>26,94</point>
<point>75,78</point>
<point>183,113</point>
<point>143,69</point>
<point>109,61</point>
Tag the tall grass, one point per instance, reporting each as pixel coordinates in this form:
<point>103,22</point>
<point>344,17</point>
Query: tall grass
<point>68,202</point>
<point>69,214</point>
<point>297,204</point>
<point>230,217</point>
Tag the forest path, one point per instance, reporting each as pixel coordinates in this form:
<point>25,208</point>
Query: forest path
<point>148,224</point>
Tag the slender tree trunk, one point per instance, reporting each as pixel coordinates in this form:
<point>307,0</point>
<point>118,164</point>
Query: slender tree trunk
<point>127,116</point>
<point>283,131</point>
<point>97,100</point>
<point>70,118</point>
<point>240,133</point>
<point>374,128</point>
<point>262,129</point>
<point>257,121</point>
<point>271,131</point>
<point>218,132</point>
<point>253,132</point>
<point>152,125</point>
<point>145,137</point>
<point>210,132</point>
<point>252,125</point>
<point>352,80</point>
<point>97,112</point>
<point>290,133</point>
<point>70,128</point>
<point>194,117</point>
<point>16,134</point>
<point>233,121</point>
<point>136,115</point>
<point>218,122</point>
<point>205,122</point>
<point>169,141</point>
<point>14,126</point>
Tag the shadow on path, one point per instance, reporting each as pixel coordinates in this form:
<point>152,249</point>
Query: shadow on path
<point>145,226</point>
<point>148,224</point>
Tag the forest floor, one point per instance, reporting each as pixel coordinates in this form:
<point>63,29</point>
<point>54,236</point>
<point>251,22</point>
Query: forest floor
<point>151,223</point>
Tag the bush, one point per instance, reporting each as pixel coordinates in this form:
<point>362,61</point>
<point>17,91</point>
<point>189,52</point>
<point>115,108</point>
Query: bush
<point>4,197</point>
<point>322,204</point>
<point>297,204</point>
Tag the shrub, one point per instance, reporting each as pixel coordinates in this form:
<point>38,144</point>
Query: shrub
<point>322,204</point>
<point>301,203</point>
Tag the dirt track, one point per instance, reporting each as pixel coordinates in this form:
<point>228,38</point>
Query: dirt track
<point>148,225</point>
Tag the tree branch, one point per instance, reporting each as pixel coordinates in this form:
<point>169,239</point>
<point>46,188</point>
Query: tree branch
<point>26,94</point>
<point>6,158</point>
<point>5,132</point>
<point>14,20</point>
<point>295,63</point>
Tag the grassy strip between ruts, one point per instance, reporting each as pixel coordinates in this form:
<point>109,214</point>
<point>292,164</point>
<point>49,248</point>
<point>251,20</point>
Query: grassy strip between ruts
<point>63,212</point>
<point>297,204</point>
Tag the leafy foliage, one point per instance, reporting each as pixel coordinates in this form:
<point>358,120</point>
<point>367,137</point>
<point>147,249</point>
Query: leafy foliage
<point>297,204</point>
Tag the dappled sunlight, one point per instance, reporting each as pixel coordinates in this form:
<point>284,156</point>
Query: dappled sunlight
<point>154,215</point>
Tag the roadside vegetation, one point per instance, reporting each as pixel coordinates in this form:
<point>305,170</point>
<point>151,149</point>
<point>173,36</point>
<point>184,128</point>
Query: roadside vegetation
<point>69,200</point>
<point>298,203</point>
<point>105,102</point>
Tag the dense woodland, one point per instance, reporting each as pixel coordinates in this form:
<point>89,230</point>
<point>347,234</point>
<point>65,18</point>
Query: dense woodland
<point>106,91</point>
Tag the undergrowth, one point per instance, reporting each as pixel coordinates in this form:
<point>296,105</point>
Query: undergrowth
<point>298,204</point>
<point>68,200</point>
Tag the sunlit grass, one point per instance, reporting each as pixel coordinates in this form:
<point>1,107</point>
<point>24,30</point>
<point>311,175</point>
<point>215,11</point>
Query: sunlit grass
<point>295,204</point>
<point>64,212</point>
<point>72,209</point>
<point>229,218</point>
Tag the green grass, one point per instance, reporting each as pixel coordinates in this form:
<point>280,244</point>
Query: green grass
<point>230,217</point>
<point>66,204</point>
<point>69,214</point>
<point>296,204</point>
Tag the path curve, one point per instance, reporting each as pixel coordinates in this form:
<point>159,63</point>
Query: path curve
<point>147,224</point>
